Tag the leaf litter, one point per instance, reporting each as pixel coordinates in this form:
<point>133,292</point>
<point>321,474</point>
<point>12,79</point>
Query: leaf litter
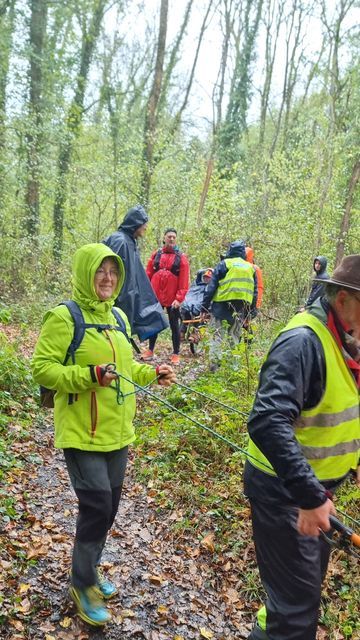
<point>169,585</point>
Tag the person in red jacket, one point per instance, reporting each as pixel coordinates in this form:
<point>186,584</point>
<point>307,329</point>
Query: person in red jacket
<point>168,271</point>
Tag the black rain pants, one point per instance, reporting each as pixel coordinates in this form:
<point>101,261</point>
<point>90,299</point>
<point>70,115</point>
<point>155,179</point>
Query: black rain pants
<point>97,479</point>
<point>292,568</point>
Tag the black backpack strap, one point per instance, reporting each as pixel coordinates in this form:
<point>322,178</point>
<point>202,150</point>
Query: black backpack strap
<point>121,322</point>
<point>79,328</point>
<point>175,267</point>
<point>156,263</point>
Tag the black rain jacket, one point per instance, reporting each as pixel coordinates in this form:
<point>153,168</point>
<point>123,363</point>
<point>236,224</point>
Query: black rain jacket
<point>317,287</point>
<point>193,303</point>
<point>137,298</point>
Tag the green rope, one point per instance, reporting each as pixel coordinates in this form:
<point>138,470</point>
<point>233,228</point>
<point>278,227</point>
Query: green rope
<point>120,396</point>
<point>232,445</point>
<point>204,395</point>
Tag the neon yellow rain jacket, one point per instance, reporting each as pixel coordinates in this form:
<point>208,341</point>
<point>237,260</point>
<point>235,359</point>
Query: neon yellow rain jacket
<point>95,421</point>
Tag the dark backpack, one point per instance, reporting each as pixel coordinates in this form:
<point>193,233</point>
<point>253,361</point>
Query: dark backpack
<point>80,326</point>
<point>175,267</point>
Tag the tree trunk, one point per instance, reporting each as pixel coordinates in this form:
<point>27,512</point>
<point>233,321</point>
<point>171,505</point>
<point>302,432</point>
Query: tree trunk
<point>151,115</point>
<point>345,222</point>
<point>178,116</point>
<point>6,27</point>
<point>174,57</point>
<point>38,23</point>
<point>294,32</point>
<point>218,96</point>
<point>235,120</point>
<point>270,53</point>
<point>74,118</point>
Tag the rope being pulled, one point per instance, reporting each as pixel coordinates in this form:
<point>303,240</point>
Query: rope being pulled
<point>232,445</point>
<point>348,536</point>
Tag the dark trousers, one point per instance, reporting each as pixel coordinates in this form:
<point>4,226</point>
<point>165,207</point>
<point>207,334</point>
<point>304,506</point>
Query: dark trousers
<point>174,321</point>
<point>292,568</point>
<point>97,479</point>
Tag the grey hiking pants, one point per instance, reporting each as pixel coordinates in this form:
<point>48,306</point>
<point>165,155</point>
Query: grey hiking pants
<point>97,479</point>
<point>223,331</point>
<point>292,567</point>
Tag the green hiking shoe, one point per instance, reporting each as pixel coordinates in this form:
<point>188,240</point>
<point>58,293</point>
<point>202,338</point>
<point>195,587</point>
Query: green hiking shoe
<point>90,606</point>
<point>107,588</point>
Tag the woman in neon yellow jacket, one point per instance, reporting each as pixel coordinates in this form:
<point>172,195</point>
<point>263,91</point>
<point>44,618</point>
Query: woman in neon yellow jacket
<point>93,413</point>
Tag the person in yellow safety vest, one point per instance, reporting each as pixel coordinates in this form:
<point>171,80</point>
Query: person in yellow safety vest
<point>232,293</point>
<point>304,441</point>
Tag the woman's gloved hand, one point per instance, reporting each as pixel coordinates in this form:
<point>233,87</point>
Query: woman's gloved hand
<point>105,374</point>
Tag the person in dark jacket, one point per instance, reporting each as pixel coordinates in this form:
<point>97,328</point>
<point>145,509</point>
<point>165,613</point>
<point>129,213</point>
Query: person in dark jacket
<point>317,287</point>
<point>232,291</point>
<point>193,303</point>
<point>304,440</point>
<point>136,297</point>
<point>168,271</point>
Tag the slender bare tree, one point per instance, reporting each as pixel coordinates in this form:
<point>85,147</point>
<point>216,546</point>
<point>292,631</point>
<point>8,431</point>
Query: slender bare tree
<point>151,114</point>
<point>90,33</point>
<point>38,21</point>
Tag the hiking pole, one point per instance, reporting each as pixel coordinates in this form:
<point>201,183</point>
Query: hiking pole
<point>204,395</point>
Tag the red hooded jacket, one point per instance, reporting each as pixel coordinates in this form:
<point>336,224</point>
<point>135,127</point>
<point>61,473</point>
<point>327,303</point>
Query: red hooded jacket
<point>166,285</point>
<point>260,283</point>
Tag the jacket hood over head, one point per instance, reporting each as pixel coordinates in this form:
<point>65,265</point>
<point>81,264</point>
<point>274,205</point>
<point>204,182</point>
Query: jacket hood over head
<point>86,261</point>
<point>323,261</point>
<point>135,218</point>
<point>199,276</point>
<point>236,250</point>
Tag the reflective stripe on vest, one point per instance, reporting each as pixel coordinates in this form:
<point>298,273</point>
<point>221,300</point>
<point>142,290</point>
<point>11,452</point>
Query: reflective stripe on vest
<point>238,283</point>
<point>329,434</point>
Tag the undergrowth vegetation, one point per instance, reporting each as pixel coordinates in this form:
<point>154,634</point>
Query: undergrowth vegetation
<point>193,479</point>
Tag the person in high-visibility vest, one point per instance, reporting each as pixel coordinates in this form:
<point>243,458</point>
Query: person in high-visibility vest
<point>304,433</point>
<point>232,293</point>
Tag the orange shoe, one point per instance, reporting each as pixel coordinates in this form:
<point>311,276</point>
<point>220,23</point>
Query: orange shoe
<point>175,358</point>
<point>147,355</point>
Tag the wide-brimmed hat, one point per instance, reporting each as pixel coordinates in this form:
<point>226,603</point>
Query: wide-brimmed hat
<point>347,274</point>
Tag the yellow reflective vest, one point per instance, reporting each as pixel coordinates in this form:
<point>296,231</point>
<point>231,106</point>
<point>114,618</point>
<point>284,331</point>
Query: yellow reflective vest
<point>329,434</point>
<point>238,283</point>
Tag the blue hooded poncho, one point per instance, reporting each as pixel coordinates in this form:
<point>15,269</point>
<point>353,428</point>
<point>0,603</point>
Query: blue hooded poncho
<point>137,298</point>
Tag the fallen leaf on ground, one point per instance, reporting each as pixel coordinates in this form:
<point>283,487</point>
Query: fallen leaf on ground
<point>127,613</point>
<point>208,542</point>
<point>65,623</point>
<point>162,610</point>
